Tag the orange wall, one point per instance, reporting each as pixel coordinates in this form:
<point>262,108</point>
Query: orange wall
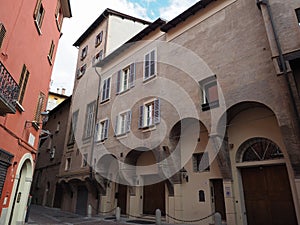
<point>23,45</point>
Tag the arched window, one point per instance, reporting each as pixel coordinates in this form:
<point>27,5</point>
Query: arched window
<point>258,149</point>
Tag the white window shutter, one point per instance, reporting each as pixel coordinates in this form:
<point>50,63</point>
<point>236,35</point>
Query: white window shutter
<point>119,81</point>
<point>128,122</point>
<point>146,66</point>
<point>132,75</point>
<point>107,88</point>
<point>106,129</point>
<point>157,111</point>
<point>104,90</point>
<point>141,117</point>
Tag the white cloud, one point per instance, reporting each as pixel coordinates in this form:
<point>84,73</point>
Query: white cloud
<point>84,14</point>
<point>175,7</point>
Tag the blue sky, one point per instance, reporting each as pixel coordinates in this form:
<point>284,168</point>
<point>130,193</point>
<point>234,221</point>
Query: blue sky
<point>85,12</point>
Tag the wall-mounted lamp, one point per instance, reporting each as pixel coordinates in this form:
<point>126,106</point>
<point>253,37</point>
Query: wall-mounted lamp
<point>184,175</point>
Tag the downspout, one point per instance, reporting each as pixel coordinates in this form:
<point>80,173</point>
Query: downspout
<point>281,58</point>
<point>93,138</point>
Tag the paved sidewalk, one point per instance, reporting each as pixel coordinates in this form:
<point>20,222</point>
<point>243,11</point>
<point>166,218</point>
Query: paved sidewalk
<point>40,215</point>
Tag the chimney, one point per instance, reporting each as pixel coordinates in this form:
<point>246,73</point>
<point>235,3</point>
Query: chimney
<point>63,91</point>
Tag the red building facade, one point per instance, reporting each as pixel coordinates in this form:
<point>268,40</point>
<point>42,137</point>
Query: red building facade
<point>29,35</point>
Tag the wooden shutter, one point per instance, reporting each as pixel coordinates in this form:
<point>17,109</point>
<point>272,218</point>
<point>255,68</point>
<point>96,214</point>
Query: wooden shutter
<point>106,129</point>
<point>116,125</point>
<point>119,81</point>
<point>132,75</point>
<point>2,33</point>
<point>157,111</point>
<point>39,107</point>
<point>195,166</point>
<point>37,7</point>
<point>141,117</point>
<point>152,63</point>
<point>204,162</point>
<point>128,122</point>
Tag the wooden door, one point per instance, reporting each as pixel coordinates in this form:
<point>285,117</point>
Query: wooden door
<point>122,198</point>
<point>268,197</point>
<point>154,198</point>
<point>217,193</point>
<point>82,200</point>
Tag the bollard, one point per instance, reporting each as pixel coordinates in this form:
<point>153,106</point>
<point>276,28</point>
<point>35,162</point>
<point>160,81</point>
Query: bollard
<point>218,219</point>
<point>158,217</point>
<point>118,213</point>
<point>89,211</point>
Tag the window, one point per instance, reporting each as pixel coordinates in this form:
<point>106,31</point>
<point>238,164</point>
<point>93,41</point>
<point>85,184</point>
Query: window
<point>57,127</point>
<point>84,52</point>
<point>23,83</point>
<point>52,153</point>
<point>89,120</point>
<point>149,114</point>
<point>38,15</point>
<point>39,107</point>
<point>210,97</point>
<point>58,15</point>
<point>200,162</point>
<point>68,164</point>
<point>2,33</point>
<point>98,57</point>
<point>84,160</point>
<point>126,78</point>
<point>123,122</point>
<point>71,139</point>
<point>201,196</point>
<point>106,90</point>
<point>102,130</point>
<point>98,39</point>
<point>81,71</point>
<point>298,15</point>
<point>150,65</point>
<point>51,51</point>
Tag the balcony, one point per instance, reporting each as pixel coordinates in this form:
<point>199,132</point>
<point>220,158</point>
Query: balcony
<point>9,92</point>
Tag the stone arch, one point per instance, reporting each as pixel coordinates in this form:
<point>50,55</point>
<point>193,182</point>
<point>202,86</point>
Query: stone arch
<point>21,189</point>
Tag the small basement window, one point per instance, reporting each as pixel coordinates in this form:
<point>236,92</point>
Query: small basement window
<point>298,15</point>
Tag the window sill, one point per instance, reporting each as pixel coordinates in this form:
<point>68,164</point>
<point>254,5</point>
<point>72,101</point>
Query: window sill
<point>122,92</point>
<point>105,101</point>
<point>145,80</point>
<point>148,128</point>
<point>121,136</point>
<point>211,105</point>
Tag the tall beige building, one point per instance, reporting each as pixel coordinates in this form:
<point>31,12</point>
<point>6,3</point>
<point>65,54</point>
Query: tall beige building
<point>107,33</point>
<point>194,116</point>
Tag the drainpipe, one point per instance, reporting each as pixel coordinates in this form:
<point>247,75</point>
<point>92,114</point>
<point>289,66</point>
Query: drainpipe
<point>281,58</point>
<point>93,138</point>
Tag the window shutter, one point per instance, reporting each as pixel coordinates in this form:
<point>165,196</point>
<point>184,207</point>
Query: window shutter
<point>37,6</point>
<point>104,90</point>
<point>119,81</point>
<point>132,75</point>
<point>147,62</point>
<point>39,107</point>
<point>128,122</point>
<point>107,88</point>
<point>157,111</point>
<point>117,125</point>
<point>152,63</point>
<point>2,33</point>
<point>106,129</point>
<point>204,162</point>
<point>195,169</point>
<point>141,118</point>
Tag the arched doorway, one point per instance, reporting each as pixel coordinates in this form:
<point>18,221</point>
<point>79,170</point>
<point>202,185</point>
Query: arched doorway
<point>146,175</point>
<point>21,191</point>
<point>266,187</point>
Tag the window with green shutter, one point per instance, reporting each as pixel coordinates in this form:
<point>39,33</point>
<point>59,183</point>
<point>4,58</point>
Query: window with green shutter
<point>23,83</point>
<point>2,33</point>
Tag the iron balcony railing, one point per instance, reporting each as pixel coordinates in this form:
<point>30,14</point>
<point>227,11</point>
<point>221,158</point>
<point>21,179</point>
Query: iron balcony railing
<point>9,91</point>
